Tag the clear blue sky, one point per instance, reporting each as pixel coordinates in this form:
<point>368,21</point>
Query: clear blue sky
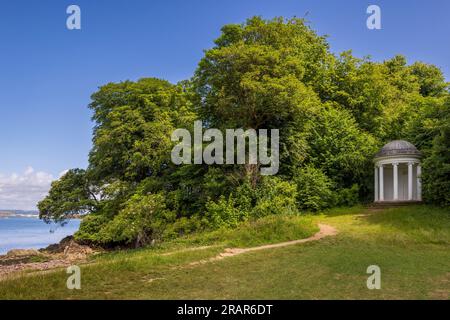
<point>47,73</point>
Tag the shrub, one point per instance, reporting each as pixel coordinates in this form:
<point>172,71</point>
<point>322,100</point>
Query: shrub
<point>143,219</point>
<point>183,226</point>
<point>223,213</point>
<point>90,227</point>
<point>314,189</point>
<point>272,196</point>
<point>348,196</point>
<point>275,196</point>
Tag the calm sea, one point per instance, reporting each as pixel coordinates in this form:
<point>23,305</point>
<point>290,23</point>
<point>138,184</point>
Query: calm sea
<point>31,233</point>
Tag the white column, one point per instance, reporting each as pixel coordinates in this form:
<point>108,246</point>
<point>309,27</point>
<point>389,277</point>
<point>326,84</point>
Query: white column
<point>395,179</point>
<point>376,183</point>
<point>410,180</point>
<point>381,183</point>
<point>419,183</point>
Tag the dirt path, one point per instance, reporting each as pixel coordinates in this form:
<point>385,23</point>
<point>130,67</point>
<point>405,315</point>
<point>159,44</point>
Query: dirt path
<point>325,231</point>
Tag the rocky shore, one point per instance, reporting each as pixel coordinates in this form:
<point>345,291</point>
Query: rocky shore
<point>63,254</point>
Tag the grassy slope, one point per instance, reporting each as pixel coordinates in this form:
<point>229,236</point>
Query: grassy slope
<point>411,246</point>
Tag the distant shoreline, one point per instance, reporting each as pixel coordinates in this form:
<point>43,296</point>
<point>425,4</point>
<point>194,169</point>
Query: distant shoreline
<point>19,213</point>
<point>9,214</point>
<point>15,215</point>
<point>34,233</point>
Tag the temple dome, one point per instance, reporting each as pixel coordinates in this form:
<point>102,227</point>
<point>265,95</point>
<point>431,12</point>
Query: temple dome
<point>398,148</point>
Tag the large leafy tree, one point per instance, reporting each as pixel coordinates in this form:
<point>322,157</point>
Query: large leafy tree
<point>257,74</point>
<point>131,144</point>
<point>133,125</point>
<point>260,75</point>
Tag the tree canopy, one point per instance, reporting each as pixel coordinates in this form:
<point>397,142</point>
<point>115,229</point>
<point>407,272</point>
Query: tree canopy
<point>333,112</point>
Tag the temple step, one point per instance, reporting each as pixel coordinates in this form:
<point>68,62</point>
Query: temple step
<point>393,204</point>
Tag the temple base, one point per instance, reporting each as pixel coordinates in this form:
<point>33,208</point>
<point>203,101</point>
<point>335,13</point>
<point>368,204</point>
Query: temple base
<point>389,204</point>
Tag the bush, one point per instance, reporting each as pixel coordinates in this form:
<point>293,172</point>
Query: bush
<point>183,226</point>
<point>275,196</point>
<point>272,196</point>
<point>143,219</point>
<point>224,213</point>
<point>348,196</point>
<point>90,227</point>
<point>314,189</point>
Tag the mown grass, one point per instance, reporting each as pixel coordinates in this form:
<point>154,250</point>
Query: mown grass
<point>410,245</point>
<point>422,224</point>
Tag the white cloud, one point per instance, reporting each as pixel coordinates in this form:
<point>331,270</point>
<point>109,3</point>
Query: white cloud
<point>24,191</point>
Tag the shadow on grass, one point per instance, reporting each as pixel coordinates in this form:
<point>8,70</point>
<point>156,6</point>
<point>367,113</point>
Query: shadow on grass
<point>423,223</point>
<point>343,211</point>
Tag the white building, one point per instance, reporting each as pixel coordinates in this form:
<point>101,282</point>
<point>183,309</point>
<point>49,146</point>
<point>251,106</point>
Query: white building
<point>397,173</point>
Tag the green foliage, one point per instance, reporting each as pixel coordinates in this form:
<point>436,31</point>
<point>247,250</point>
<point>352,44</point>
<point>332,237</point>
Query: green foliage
<point>141,221</point>
<point>90,228</point>
<point>271,229</point>
<point>183,226</point>
<point>348,196</point>
<point>134,122</point>
<point>339,147</point>
<point>430,78</point>
<point>255,76</point>
<point>272,196</point>
<point>224,213</point>
<point>70,195</point>
<point>436,167</point>
<point>333,113</point>
<point>275,196</point>
<point>314,189</point>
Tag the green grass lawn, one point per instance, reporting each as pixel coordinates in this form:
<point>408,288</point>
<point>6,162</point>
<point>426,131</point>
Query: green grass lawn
<point>411,245</point>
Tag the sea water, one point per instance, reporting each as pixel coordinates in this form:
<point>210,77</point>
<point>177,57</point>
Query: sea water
<point>32,233</point>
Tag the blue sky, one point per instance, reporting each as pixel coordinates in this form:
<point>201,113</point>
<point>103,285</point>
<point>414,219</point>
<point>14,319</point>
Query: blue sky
<point>47,73</point>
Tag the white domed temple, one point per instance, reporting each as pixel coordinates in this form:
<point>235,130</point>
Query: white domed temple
<point>397,173</point>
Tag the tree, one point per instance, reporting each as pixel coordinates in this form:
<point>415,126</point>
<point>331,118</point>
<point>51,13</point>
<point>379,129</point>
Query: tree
<point>255,76</point>
<point>430,79</point>
<point>260,75</point>
<point>339,147</point>
<point>71,195</point>
<point>436,167</point>
<point>134,122</point>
